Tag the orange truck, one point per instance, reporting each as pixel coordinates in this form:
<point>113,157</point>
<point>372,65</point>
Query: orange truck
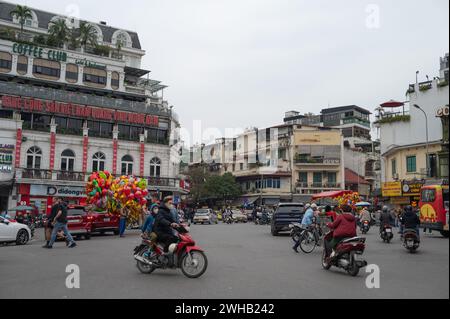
<point>434,202</point>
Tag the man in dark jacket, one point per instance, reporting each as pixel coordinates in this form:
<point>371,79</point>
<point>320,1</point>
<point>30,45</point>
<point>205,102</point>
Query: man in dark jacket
<point>410,220</point>
<point>385,218</point>
<point>165,223</point>
<point>343,227</point>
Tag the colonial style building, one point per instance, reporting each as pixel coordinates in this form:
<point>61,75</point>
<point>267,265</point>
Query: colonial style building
<point>409,160</point>
<point>67,111</point>
<point>283,163</point>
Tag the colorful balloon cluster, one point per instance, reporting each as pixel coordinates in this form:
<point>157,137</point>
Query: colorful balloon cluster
<point>98,190</point>
<point>129,192</point>
<point>349,199</point>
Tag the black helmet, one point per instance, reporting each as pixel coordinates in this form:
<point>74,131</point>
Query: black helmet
<point>408,209</point>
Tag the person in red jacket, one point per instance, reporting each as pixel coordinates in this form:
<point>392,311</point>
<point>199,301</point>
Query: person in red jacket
<point>343,227</point>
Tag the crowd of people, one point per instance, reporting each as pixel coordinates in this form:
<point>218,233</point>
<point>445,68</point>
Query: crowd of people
<point>343,220</point>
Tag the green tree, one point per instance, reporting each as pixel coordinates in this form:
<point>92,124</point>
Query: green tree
<point>198,177</point>
<point>21,13</point>
<point>88,35</point>
<point>222,187</point>
<point>59,32</point>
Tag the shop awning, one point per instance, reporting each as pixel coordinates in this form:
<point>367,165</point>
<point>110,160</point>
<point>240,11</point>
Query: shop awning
<point>332,194</point>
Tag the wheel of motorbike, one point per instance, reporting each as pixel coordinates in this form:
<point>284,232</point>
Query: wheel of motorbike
<point>325,265</point>
<point>194,264</point>
<point>353,270</point>
<point>307,242</point>
<point>22,237</point>
<point>143,267</point>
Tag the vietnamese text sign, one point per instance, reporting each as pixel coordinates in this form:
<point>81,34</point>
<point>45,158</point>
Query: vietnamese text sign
<point>392,189</point>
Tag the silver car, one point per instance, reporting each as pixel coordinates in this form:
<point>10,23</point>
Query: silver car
<point>205,216</point>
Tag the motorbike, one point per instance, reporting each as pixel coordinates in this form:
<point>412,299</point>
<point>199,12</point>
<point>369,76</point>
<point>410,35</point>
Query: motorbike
<point>365,226</point>
<point>347,254</point>
<point>229,219</point>
<point>387,234</point>
<point>263,220</point>
<point>187,256</point>
<point>410,240</point>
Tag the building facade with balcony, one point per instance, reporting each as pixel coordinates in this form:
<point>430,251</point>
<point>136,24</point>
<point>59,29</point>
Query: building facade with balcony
<point>283,163</point>
<point>68,111</point>
<point>403,135</point>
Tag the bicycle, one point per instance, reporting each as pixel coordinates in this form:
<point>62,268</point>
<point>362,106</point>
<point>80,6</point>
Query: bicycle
<point>312,236</point>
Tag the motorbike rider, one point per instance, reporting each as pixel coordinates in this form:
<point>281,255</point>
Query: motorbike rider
<point>385,218</point>
<point>165,224</point>
<point>410,220</point>
<point>306,222</point>
<point>343,227</point>
<point>365,216</point>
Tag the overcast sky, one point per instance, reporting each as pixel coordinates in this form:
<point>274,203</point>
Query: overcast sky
<point>241,63</point>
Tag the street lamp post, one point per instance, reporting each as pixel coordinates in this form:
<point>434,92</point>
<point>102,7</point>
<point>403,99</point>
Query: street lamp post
<point>426,127</point>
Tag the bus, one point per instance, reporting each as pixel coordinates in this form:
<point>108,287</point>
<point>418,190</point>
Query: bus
<point>434,202</point>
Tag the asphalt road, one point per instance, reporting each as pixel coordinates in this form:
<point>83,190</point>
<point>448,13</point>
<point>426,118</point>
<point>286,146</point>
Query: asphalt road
<point>245,261</point>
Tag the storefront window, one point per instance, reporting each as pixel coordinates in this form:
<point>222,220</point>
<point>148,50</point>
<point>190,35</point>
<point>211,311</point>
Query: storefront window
<point>74,126</point>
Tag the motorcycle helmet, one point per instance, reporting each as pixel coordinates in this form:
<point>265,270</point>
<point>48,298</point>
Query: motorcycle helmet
<point>308,205</point>
<point>385,209</point>
<point>314,206</point>
<point>408,209</point>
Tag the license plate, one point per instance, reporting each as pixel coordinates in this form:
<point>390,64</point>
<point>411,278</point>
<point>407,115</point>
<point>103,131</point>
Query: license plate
<point>107,220</point>
<point>74,221</point>
<point>388,230</point>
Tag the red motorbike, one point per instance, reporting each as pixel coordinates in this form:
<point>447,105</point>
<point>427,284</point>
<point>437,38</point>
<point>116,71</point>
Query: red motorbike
<point>346,256</point>
<point>187,256</point>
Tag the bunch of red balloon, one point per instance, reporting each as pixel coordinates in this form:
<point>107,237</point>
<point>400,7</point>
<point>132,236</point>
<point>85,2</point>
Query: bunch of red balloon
<point>98,189</point>
<point>130,191</point>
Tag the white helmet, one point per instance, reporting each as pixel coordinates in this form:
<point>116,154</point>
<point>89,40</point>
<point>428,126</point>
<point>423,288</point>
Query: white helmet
<point>308,205</point>
<point>314,206</point>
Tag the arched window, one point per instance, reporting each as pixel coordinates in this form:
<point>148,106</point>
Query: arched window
<point>98,162</point>
<point>34,157</point>
<point>67,160</point>
<point>127,165</point>
<point>155,167</point>
<point>123,38</point>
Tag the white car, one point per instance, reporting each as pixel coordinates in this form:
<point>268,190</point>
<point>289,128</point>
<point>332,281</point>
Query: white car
<point>14,232</point>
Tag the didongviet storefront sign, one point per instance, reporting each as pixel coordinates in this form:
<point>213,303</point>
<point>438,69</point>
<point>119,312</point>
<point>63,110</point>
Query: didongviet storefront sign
<point>63,191</point>
<point>76,110</point>
<point>412,188</point>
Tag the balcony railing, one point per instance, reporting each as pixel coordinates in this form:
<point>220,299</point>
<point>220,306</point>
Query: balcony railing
<point>318,185</point>
<point>70,176</point>
<point>315,160</point>
<point>29,173</point>
<point>81,98</point>
<point>55,175</point>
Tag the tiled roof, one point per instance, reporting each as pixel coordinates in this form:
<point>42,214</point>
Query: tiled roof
<point>44,19</point>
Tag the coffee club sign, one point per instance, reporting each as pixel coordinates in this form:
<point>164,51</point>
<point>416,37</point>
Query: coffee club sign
<point>76,110</point>
<point>39,52</point>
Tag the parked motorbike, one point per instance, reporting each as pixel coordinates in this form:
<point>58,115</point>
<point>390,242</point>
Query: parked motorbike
<point>387,234</point>
<point>187,256</point>
<point>410,240</point>
<point>347,255</point>
<point>364,227</point>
